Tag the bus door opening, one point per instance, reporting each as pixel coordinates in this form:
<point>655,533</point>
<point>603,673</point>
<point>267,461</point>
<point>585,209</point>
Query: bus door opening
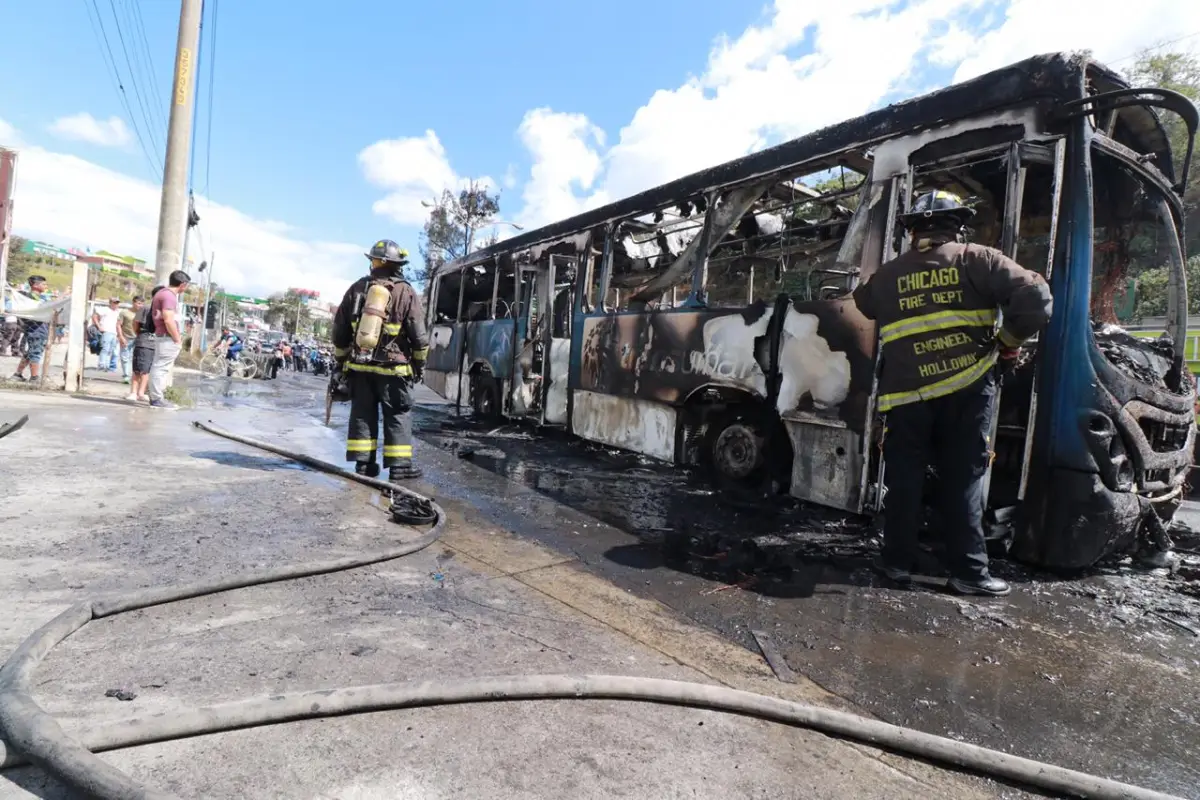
<point>1015,191</point>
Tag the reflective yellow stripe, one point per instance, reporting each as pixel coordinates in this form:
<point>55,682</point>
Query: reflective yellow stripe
<point>360,445</point>
<point>354,325</point>
<point>396,369</point>
<point>339,352</point>
<point>942,388</point>
<point>1007,339</point>
<point>421,354</point>
<point>397,450</point>
<point>937,321</point>
<point>392,328</point>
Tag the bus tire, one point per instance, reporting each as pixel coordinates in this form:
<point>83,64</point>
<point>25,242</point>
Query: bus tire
<point>485,396</point>
<point>737,448</point>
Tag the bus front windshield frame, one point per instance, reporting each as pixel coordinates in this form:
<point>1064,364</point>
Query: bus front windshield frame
<point>1160,207</point>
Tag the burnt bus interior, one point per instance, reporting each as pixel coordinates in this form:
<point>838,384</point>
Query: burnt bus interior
<point>806,234</point>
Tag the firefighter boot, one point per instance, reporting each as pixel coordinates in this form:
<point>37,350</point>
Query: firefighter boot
<point>404,472</point>
<point>368,468</point>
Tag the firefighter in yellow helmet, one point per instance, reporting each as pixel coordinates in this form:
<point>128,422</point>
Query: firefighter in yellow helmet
<point>380,346</point>
<point>936,306</point>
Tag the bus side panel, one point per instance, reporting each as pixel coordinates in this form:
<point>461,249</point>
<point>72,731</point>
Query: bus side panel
<point>826,364</point>
<point>664,356</point>
<point>490,343</point>
<point>445,360</point>
<point>640,426</point>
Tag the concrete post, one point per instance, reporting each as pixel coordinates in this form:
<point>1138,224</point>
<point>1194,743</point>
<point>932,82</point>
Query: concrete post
<point>173,213</point>
<point>76,328</point>
<point>8,180</point>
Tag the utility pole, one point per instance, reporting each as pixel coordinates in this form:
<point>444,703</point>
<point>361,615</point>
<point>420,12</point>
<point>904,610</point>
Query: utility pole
<point>8,182</point>
<point>173,213</point>
<point>212,259</point>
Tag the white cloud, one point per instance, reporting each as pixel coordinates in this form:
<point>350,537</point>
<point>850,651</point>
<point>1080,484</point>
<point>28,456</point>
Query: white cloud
<point>1111,29</point>
<point>413,169</point>
<point>83,127</point>
<point>805,66</point>
<point>8,135</point>
<point>67,200</point>
<point>565,151</point>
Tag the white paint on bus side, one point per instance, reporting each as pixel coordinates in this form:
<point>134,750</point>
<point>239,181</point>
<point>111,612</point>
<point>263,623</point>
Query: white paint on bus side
<point>809,366</point>
<point>640,426</point>
<point>556,393</point>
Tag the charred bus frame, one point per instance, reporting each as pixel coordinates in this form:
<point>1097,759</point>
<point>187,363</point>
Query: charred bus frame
<point>709,320</point>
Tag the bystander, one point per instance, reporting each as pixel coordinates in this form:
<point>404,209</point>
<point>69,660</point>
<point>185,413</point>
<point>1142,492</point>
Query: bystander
<point>36,334</point>
<point>167,337</point>
<point>143,348</point>
<point>106,322</point>
<point>126,318</point>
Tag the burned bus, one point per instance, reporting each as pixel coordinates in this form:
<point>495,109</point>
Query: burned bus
<point>709,321</point>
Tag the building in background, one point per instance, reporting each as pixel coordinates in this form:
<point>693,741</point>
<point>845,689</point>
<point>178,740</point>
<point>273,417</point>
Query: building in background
<point>35,248</point>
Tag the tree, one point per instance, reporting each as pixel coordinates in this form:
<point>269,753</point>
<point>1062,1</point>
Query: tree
<point>287,310</point>
<point>453,225</point>
<point>1181,73</point>
<point>1152,291</point>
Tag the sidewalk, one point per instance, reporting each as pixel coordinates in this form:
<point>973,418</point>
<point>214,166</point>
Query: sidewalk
<point>95,382</point>
<point>100,497</point>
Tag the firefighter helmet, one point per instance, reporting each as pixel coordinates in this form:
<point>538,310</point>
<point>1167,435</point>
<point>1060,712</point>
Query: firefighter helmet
<point>389,252</point>
<point>937,209</point>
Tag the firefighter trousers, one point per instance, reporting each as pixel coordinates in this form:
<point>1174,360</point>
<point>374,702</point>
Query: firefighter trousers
<point>371,394</point>
<point>951,433</point>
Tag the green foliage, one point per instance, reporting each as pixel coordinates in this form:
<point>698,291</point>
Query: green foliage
<point>454,226</point>
<point>1152,290</point>
<point>1180,72</point>
<point>286,311</point>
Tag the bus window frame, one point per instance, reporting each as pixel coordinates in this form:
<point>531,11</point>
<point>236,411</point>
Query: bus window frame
<point>1170,212</point>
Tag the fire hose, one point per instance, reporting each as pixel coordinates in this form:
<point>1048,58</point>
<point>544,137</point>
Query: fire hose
<point>29,734</point>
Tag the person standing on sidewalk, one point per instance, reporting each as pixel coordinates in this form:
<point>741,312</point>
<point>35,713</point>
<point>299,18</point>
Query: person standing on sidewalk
<point>126,320</point>
<point>936,306</point>
<point>168,340</point>
<point>36,334</point>
<point>143,349</point>
<point>106,321</point>
<point>381,345</point>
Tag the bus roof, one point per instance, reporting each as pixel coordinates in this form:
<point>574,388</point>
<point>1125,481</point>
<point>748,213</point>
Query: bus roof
<point>1052,78</point>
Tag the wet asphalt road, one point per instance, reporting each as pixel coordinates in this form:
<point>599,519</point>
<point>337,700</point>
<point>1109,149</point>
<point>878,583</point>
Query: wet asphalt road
<point>1087,673</point>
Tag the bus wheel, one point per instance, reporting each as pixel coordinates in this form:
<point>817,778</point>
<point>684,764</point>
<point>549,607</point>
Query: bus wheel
<point>739,450</point>
<point>485,396</point>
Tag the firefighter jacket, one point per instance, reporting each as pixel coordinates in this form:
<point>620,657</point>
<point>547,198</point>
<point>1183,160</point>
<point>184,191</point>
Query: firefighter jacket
<point>403,341</point>
<point>936,307</point>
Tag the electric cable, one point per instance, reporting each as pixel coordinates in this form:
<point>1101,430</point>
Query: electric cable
<point>134,82</point>
<point>111,63</point>
<point>27,728</point>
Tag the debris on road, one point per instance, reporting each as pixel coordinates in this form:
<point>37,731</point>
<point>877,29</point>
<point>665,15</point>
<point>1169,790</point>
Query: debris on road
<point>124,695</point>
<point>774,658</point>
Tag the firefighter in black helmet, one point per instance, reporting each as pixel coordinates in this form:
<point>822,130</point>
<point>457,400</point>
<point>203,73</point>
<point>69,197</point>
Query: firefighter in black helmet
<point>936,306</point>
<point>380,347</point>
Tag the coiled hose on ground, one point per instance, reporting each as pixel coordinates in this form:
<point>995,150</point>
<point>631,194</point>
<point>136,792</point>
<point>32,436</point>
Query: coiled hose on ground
<point>30,734</point>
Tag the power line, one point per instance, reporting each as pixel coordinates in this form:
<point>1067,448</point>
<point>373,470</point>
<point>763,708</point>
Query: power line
<point>111,63</point>
<point>133,80</point>
<point>155,98</point>
<point>1158,46</point>
<point>212,72</point>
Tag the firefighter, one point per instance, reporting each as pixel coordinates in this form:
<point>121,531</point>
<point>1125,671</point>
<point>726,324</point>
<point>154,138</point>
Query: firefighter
<point>380,347</point>
<point>942,354</point>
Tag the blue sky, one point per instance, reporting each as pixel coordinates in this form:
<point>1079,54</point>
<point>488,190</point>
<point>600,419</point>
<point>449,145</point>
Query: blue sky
<point>329,125</point>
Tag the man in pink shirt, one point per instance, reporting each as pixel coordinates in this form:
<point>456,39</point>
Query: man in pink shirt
<point>167,337</point>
